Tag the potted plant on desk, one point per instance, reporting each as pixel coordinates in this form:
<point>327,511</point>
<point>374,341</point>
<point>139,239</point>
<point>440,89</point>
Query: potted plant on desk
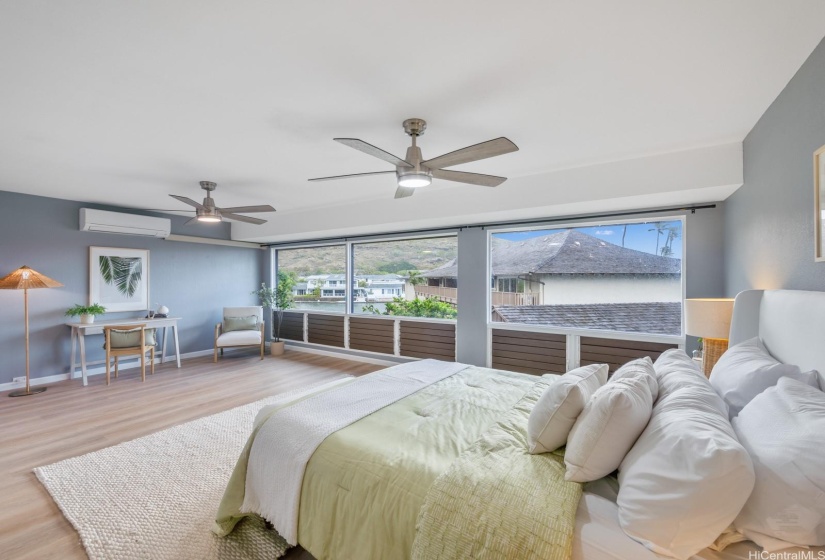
<point>86,312</point>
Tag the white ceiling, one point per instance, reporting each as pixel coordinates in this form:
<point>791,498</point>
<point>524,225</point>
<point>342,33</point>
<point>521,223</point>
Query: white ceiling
<point>124,102</point>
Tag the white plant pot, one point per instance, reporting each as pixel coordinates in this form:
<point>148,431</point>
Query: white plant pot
<point>87,319</point>
<point>276,348</point>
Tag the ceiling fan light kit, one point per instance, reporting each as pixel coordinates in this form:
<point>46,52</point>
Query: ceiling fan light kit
<point>209,212</point>
<point>415,172</point>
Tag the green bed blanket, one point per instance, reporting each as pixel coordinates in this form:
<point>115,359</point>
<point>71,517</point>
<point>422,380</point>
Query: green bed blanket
<point>499,502</point>
<point>365,485</point>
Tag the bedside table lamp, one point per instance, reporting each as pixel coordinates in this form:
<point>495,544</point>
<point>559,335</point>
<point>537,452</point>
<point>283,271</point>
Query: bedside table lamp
<point>710,319</point>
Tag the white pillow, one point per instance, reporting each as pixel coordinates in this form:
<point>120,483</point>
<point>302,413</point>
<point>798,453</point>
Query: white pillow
<point>747,369</point>
<point>609,425</point>
<point>558,407</point>
<point>783,429</point>
<point>687,476</point>
<point>641,368</point>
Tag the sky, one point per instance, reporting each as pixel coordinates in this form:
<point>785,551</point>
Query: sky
<point>638,237</point>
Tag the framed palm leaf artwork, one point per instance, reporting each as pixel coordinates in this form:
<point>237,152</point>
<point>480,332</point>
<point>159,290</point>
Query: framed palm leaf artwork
<point>119,278</point>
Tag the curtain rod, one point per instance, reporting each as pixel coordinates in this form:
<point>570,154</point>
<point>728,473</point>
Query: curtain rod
<point>488,225</point>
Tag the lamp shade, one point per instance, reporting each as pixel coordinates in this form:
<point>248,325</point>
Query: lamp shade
<point>708,317</point>
<point>25,278</point>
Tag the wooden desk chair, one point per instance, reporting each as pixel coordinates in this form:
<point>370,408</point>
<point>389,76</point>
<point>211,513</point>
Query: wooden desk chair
<point>129,340</point>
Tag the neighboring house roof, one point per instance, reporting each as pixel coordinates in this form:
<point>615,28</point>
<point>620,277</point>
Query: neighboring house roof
<point>566,252</point>
<point>650,318</point>
<point>386,286</point>
<point>300,286</point>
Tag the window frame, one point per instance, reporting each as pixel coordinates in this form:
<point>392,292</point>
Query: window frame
<point>597,333</point>
<point>349,246</point>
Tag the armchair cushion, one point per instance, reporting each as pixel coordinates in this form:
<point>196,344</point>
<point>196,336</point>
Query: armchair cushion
<point>248,323</point>
<point>239,338</point>
<point>131,338</point>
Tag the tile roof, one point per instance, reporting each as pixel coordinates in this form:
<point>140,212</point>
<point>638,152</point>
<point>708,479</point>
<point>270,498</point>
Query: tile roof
<point>566,252</point>
<point>648,317</point>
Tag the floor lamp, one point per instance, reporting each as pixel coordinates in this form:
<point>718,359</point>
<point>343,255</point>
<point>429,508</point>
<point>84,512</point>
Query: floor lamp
<point>24,278</point>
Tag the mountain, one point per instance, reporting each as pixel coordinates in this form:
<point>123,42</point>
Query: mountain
<point>370,258</point>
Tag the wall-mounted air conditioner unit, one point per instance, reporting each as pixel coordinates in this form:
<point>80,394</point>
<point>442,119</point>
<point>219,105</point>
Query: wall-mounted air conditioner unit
<point>125,224</point>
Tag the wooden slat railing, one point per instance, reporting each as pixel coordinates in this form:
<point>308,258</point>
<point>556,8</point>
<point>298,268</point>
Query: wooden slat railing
<point>419,339</point>
<point>292,327</point>
<point>529,352</point>
<point>326,329</point>
<point>373,335</point>
<point>616,353</point>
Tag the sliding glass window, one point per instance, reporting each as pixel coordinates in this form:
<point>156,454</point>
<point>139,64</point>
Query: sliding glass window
<point>623,277</point>
<point>315,276</point>
<point>409,277</point>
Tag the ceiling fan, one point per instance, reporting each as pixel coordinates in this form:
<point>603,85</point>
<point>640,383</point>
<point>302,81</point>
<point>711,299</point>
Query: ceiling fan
<point>414,172</point>
<point>208,212</point>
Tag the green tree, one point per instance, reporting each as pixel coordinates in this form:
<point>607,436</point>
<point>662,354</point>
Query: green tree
<point>428,307</point>
<point>415,278</point>
<point>394,267</point>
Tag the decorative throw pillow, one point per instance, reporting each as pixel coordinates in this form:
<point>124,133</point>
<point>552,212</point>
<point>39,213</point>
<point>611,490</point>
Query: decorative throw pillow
<point>783,429</point>
<point>641,369</point>
<point>558,407</point>
<point>249,323</point>
<point>687,476</point>
<point>747,369</point>
<point>607,428</point>
<point>131,339</point>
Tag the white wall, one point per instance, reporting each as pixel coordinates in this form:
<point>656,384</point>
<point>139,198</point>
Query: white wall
<point>559,290</point>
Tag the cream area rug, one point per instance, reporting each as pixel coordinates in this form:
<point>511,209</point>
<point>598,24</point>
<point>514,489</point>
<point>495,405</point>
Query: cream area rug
<point>156,497</point>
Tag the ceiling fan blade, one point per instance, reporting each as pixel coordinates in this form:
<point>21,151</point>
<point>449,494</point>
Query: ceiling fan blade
<point>191,221</point>
<point>471,178</point>
<point>239,218</point>
<point>188,201</point>
<point>404,192</point>
<point>247,209</point>
<point>353,175</point>
<point>362,146</point>
<point>488,149</point>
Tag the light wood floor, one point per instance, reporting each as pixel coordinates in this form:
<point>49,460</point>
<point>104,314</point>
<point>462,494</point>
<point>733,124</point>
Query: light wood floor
<point>69,420</point>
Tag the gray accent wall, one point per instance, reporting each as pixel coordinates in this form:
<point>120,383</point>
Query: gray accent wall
<point>769,221</point>
<point>194,280</point>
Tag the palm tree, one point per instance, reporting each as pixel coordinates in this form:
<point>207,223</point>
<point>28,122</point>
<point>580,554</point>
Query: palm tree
<point>659,228</point>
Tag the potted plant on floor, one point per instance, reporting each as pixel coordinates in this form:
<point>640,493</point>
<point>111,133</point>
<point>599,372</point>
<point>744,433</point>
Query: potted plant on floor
<point>278,299</point>
<point>86,312</point>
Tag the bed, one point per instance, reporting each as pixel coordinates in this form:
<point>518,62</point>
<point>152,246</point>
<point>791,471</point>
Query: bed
<point>363,487</point>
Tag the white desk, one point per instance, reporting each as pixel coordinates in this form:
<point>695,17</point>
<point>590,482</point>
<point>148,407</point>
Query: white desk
<point>80,330</point>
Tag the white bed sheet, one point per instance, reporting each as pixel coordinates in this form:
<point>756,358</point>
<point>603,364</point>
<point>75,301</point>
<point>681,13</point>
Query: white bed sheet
<point>598,536</point>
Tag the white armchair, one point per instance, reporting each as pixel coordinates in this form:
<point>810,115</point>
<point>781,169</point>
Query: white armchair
<point>239,329</point>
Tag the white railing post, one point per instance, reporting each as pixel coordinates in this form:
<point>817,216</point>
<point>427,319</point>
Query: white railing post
<point>396,337</point>
<point>306,327</point>
<point>346,331</point>
<point>573,351</point>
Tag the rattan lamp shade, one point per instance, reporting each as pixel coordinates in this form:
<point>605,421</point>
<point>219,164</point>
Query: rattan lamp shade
<point>24,278</point>
<point>709,318</point>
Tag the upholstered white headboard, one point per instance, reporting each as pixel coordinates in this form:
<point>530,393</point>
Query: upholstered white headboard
<point>791,324</point>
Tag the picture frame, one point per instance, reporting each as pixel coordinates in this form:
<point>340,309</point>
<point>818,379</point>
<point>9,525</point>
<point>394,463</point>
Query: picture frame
<point>819,204</point>
<point>119,278</point>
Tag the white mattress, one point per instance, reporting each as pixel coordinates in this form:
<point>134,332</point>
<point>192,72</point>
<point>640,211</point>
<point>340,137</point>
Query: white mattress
<point>598,535</point>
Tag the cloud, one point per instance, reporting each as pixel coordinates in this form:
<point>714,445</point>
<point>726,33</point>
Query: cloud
<point>605,232</point>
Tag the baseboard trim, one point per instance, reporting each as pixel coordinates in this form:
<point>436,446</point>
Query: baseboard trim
<point>348,354</point>
<point>129,364</point>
